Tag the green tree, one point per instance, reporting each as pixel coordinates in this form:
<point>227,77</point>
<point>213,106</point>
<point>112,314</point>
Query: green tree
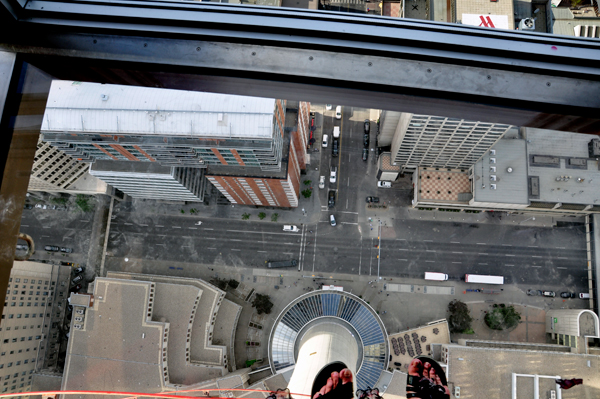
<point>83,203</point>
<point>233,283</point>
<point>245,216</point>
<point>59,201</point>
<point>182,211</point>
<point>274,217</point>
<point>502,318</point>
<point>307,182</point>
<point>262,303</point>
<point>219,283</point>
<point>262,215</point>
<point>307,193</point>
<point>460,318</point>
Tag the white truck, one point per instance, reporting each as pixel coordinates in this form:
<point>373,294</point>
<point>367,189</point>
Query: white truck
<point>436,276</point>
<point>289,227</point>
<point>336,132</point>
<point>483,279</point>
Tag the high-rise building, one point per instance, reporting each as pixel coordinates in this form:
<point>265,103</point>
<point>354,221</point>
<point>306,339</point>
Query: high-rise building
<point>252,149</point>
<point>434,141</point>
<point>54,171</point>
<point>31,322</point>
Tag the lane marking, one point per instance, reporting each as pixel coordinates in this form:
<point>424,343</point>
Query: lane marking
<point>158,225</point>
<point>564,268</point>
<point>287,253</point>
<point>482,253</point>
<point>457,252</point>
<point>210,248</point>
<point>46,236</point>
<point>405,260</point>
<point>457,262</point>
<point>483,263</point>
<point>506,245</point>
<point>261,232</point>
<point>454,242</point>
<point>24,225</point>
<point>233,249</point>
<point>234,239</point>
<point>162,235</point>
<point>207,229</point>
<point>430,250</point>
<point>176,227</point>
<point>145,225</point>
<point>186,246</point>
<point>481,243</point>
<point>427,240</point>
<point>535,266</point>
<point>81,220</point>
<point>288,243</point>
<point>402,249</point>
<point>509,265</point>
<point>162,244</point>
<point>535,256</point>
<point>532,246</point>
<point>400,239</point>
<point>562,257</point>
<point>262,251</point>
<point>47,227</point>
<point>348,223</point>
<point>210,238</point>
<point>354,213</point>
<point>128,224</point>
<point>193,228</point>
<point>429,261</point>
<point>561,247</point>
<point>509,255</point>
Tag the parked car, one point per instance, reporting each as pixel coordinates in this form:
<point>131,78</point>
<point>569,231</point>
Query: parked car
<point>62,262</point>
<point>365,155</point>
<point>322,182</point>
<point>335,148</point>
<point>333,174</point>
<point>550,294</point>
<point>77,279</point>
<point>79,270</point>
<point>28,206</point>
<point>52,248</point>
<point>22,247</point>
<point>534,292</point>
<point>367,126</point>
<point>328,107</point>
<point>39,206</point>
<point>384,184</point>
<point>338,112</point>
<point>332,220</point>
<point>331,202</point>
<point>584,295</point>
<point>325,140</point>
<point>567,295</point>
<point>66,250</point>
<point>374,200</point>
<point>75,288</point>
<point>366,140</point>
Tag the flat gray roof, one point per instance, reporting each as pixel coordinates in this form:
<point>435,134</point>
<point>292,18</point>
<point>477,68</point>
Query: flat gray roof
<point>511,187</point>
<point>565,147</point>
<point>113,109</point>
<point>487,373</point>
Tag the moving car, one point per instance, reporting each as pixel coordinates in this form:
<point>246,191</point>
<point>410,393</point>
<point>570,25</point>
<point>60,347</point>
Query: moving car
<point>325,138</point>
<point>66,250</point>
<point>338,112</point>
<point>290,227</point>
<point>384,184</point>
<point>52,248</point>
<point>365,154</point>
<point>333,174</point>
<point>322,182</point>
<point>549,294</point>
<point>367,126</point>
<point>335,148</point>
<point>331,202</point>
<point>332,220</point>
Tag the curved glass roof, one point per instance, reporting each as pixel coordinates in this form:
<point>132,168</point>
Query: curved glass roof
<point>342,305</point>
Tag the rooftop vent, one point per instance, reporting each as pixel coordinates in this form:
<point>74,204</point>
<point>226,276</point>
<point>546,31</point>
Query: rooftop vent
<point>492,186</point>
<point>594,148</point>
<point>509,169</point>
<point>104,97</point>
<point>492,160</point>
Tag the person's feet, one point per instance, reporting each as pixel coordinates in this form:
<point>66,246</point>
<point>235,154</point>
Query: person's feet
<point>336,380</point>
<point>420,371</point>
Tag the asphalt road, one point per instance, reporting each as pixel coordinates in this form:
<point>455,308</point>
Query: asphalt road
<point>532,256</point>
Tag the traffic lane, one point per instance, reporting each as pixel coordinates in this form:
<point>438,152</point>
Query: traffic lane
<point>526,252</point>
<point>491,233</point>
<point>547,274</point>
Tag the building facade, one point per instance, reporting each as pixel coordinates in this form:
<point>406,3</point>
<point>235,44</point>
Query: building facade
<point>434,141</point>
<point>31,322</point>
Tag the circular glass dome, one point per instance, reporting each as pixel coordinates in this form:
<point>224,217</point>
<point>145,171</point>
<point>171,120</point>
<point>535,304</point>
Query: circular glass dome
<point>326,306</point>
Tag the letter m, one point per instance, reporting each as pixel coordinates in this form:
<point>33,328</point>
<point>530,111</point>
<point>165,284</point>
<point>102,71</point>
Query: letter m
<point>486,22</point>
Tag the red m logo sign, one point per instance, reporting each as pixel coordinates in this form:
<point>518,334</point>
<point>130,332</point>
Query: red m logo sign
<point>486,22</point>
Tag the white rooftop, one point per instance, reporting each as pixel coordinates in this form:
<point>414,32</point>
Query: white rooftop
<point>113,109</point>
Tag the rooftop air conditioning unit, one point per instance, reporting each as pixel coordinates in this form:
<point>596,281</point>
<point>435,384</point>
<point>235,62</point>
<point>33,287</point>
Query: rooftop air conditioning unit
<point>527,24</point>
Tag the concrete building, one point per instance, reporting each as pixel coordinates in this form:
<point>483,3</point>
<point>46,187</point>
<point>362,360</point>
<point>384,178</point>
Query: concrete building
<point>433,141</point>
<point>540,170</point>
<point>583,22</point>
<point>148,333</point>
<point>152,181</point>
<point>233,138</point>
<point>31,322</point>
<point>55,172</point>
<point>573,328</point>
